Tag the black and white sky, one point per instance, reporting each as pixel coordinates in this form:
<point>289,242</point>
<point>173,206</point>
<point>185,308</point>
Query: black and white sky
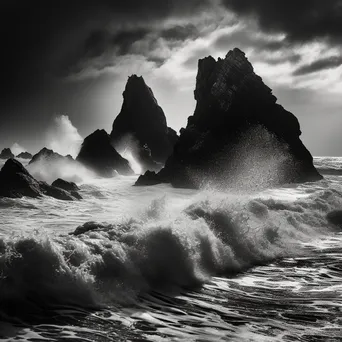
<point>73,57</point>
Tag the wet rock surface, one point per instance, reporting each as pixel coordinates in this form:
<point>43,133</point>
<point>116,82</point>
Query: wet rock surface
<point>98,154</point>
<point>238,135</point>
<point>141,126</point>
<point>16,182</point>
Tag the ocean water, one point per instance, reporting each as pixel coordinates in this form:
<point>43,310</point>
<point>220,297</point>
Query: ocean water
<point>164,264</point>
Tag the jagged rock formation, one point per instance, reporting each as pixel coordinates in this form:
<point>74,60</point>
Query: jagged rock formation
<point>6,153</point>
<point>16,182</point>
<point>50,156</point>
<point>141,125</point>
<point>24,155</point>
<point>238,136</point>
<point>99,155</point>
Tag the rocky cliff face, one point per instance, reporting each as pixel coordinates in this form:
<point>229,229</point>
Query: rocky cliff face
<point>141,126</point>
<point>238,136</point>
<point>6,153</point>
<point>16,182</point>
<point>99,155</point>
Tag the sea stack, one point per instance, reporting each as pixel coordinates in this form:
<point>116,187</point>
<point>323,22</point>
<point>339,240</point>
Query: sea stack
<point>6,153</point>
<point>238,135</point>
<point>99,155</point>
<point>141,126</point>
<point>16,182</point>
<point>24,155</point>
<point>49,156</point>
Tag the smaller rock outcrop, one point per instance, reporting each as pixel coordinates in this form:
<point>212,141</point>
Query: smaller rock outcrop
<point>6,153</point>
<point>24,155</point>
<point>16,182</point>
<point>67,186</point>
<point>335,218</point>
<point>49,155</point>
<point>149,178</point>
<point>88,227</point>
<point>98,154</point>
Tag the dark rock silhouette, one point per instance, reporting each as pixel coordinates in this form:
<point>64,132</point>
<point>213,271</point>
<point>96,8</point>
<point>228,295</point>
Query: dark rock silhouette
<point>99,155</point>
<point>335,217</point>
<point>24,155</point>
<point>141,125</point>
<point>149,178</point>
<point>87,227</point>
<point>238,136</point>
<point>6,153</point>
<point>16,182</point>
<point>62,184</point>
<point>67,186</point>
<point>50,156</point>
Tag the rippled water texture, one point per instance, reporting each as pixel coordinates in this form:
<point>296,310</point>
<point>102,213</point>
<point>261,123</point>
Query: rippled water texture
<point>165,264</point>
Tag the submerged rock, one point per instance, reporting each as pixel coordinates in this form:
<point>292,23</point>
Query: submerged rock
<point>141,126</point>
<point>99,155</point>
<point>238,136</point>
<point>24,155</point>
<point>88,227</point>
<point>6,153</point>
<point>16,182</point>
<point>68,186</point>
<point>335,218</point>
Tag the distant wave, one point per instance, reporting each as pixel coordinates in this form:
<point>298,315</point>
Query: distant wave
<point>218,234</point>
<point>329,165</point>
<point>329,171</point>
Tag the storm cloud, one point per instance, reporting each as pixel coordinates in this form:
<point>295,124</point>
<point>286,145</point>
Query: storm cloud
<point>40,38</point>
<point>301,21</point>
<point>319,65</point>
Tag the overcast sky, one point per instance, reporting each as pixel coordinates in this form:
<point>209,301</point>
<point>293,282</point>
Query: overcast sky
<point>74,58</point>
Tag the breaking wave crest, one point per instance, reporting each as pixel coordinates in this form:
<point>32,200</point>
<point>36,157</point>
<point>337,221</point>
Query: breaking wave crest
<point>218,234</point>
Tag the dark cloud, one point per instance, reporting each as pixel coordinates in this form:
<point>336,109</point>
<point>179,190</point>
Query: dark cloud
<point>122,42</point>
<point>180,32</point>
<point>301,20</point>
<point>246,38</point>
<point>292,58</point>
<point>319,65</point>
<point>39,37</point>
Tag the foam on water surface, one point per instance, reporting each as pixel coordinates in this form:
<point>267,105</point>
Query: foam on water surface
<point>173,264</point>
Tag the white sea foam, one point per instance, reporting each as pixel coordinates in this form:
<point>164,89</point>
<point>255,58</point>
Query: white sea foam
<point>160,238</point>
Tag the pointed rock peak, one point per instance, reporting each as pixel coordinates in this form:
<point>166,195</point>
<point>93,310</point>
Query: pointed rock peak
<point>141,126</point>
<point>98,154</point>
<point>137,90</point>
<point>12,166</point>
<point>98,134</point>
<point>6,153</point>
<point>236,53</point>
<point>221,82</point>
<point>237,122</point>
<point>135,81</point>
